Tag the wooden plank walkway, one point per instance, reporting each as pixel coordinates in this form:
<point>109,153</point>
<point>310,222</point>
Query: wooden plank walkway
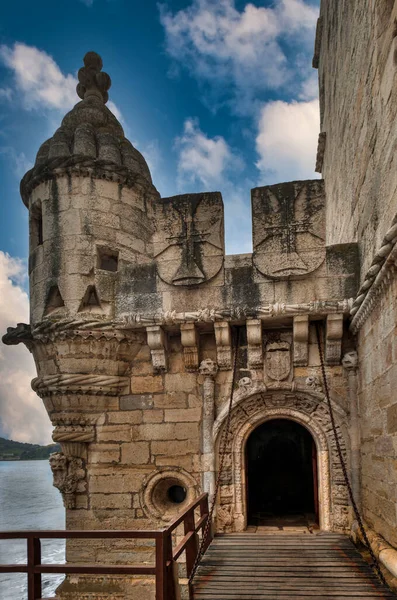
<point>262,566</point>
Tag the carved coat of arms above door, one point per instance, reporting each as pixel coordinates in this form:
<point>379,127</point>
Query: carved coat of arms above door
<point>188,242</point>
<point>278,360</point>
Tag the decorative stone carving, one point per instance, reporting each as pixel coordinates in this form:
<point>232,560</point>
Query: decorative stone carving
<point>322,139</point>
<point>74,433</point>
<point>223,339</point>
<point>245,383</point>
<point>80,383</point>
<point>314,383</point>
<point>278,360</point>
<point>378,277</point>
<point>224,517</point>
<point>289,228</point>
<point>310,410</point>
<point>301,340</point>
<point>208,367</point>
<point>189,241</point>
<point>190,343</point>
<point>254,340</point>
<point>92,80</point>
<point>157,342</point>
<point>350,360</point>
<point>68,473</point>
<point>333,345</point>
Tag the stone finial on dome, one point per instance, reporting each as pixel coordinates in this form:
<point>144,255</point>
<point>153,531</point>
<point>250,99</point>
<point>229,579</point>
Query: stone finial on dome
<point>92,81</point>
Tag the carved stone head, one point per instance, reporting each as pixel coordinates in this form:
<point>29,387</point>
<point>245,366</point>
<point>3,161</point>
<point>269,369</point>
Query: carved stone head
<point>245,382</point>
<point>350,360</point>
<point>208,367</point>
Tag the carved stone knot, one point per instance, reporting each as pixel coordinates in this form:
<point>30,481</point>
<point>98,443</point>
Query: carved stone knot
<point>350,360</point>
<point>68,473</point>
<point>313,382</point>
<point>208,368</point>
<point>92,80</point>
<point>244,383</point>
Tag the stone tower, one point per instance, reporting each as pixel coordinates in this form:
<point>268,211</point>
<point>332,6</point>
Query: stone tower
<point>135,309</point>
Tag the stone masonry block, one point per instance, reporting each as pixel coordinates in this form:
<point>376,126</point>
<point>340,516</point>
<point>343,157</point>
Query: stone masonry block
<point>135,453</point>
<point>111,501</point>
<point>174,448</point>
<point>186,415</point>
<point>136,402</point>
<point>147,385</point>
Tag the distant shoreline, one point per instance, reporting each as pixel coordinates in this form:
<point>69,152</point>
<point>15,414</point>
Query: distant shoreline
<point>16,459</point>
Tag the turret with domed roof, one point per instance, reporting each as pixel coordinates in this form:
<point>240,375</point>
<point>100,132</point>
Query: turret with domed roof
<point>89,196</point>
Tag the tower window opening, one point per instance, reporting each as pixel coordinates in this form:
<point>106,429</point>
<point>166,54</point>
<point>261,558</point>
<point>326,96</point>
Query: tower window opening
<point>37,226</point>
<point>108,260</point>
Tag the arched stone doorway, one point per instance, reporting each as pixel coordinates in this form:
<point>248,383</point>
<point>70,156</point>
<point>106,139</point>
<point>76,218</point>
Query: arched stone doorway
<point>281,471</point>
<point>256,404</point>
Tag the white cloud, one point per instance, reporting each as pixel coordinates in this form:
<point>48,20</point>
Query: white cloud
<point>203,159</point>
<point>40,82</point>
<point>241,53</point>
<point>39,78</point>
<point>287,140</point>
<point>22,414</point>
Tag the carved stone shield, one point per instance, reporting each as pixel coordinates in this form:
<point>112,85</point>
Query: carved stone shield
<point>289,228</point>
<point>188,241</point>
<point>278,360</point>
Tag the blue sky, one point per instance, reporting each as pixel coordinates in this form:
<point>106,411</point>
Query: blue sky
<point>218,95</point>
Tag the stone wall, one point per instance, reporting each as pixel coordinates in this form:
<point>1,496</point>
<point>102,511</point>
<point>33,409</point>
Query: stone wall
<point>356,54</point>
<point>378,405</point>
<point>358,86</point>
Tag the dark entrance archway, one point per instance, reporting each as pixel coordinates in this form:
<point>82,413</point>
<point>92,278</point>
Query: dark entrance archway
<point>281,475</point>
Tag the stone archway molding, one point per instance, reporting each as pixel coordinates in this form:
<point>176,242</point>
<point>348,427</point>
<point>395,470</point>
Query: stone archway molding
<point>256,404</point>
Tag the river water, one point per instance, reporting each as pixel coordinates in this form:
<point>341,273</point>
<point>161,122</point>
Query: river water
<point>28,500</point>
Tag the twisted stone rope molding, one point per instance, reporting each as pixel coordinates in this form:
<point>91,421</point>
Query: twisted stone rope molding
<point>206,315</point>
<point>74,434</point>
<point>377,278</point>
<point>100,385</point>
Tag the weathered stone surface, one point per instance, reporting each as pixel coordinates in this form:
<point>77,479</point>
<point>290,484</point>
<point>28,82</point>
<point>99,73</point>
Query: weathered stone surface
<point>131,293</point>
<point>136,402</point>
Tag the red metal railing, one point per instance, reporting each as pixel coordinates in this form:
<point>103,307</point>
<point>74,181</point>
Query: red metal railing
<point>166,555</point>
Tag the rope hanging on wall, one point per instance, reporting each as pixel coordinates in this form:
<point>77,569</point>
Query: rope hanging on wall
<point>375,562</point>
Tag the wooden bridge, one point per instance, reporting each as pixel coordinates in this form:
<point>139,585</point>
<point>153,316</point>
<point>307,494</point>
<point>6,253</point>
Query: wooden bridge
<point>248,566</point>
<point>254,566</point>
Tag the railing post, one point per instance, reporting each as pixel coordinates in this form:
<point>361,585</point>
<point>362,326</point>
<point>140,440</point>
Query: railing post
<point>172,570</point>
<point>161,568</point>
<point>34,559</point>
<point>204,510</point>
<point>192,546</point>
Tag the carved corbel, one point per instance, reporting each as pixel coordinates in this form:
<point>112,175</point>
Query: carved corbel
<point>69,477</point>
<point>223,338</point>
<point>157,342</point>
<point>190,343</point>
<point>254,340</point>
<point>333,345</point>
<point>301,340</point>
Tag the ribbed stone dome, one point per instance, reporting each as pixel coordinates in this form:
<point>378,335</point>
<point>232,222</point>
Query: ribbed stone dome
<point>90,138</point>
